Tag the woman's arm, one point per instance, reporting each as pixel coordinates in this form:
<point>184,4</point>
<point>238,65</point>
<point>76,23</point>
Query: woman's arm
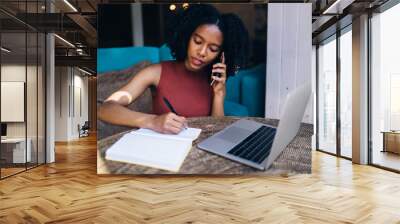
<point>218,106</point>
<point>114,109</point>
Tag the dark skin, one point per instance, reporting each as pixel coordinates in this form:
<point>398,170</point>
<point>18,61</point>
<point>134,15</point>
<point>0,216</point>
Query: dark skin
<point>203,48</point>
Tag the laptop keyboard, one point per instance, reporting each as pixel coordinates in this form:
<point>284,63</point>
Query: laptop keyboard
<point>257,146</point>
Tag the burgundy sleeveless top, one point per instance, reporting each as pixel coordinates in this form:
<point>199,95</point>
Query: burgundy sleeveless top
<point>189,93</point>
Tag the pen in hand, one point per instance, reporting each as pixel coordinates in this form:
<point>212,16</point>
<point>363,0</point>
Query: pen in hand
<point>172,109</point>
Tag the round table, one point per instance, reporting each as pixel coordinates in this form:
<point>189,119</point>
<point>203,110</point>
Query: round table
<point>296,158</point>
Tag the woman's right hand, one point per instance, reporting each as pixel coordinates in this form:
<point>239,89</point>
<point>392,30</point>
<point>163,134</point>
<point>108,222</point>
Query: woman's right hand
<point>169,123</point>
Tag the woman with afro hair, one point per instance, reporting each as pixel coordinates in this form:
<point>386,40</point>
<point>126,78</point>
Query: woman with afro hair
<point>208,47</point>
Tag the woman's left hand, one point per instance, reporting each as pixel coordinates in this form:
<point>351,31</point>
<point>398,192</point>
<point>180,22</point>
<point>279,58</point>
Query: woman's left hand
<point>219,82</point>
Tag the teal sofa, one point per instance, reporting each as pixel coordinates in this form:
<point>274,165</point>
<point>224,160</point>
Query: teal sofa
<point>245,91</point>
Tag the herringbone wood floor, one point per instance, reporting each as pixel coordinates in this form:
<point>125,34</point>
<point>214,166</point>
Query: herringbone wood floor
<point>69,191</point>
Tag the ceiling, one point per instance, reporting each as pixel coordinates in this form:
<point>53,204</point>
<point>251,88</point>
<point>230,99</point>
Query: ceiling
<point>333,15</point>
<point>76,22</point>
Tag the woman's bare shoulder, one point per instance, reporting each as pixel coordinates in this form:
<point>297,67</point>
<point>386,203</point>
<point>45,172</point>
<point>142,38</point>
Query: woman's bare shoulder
<point>150,74</point>
<point>153,69</point>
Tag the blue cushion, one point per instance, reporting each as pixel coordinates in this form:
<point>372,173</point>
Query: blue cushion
<point>111,59</point>
<point>235,109</point>
<point>233,89</point>
<point>260,68</point>
<point>165,53</point>
<point>252,89</point>
<point>247,88</point>
<point>253,97</point>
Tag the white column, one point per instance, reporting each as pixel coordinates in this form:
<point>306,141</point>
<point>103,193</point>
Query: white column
<point>50,94</point>
<point>360,90</point>
<point>289,50</point>
<point>137,23</point>
<point>314,96</point>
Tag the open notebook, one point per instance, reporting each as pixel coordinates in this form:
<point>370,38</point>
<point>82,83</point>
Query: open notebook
<point>149,148</point>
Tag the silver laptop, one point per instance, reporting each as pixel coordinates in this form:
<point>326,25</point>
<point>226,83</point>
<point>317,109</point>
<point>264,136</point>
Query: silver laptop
<point>256,144</point>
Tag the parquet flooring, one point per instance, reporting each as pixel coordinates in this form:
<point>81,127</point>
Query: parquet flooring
<point>70,191</point>
<point>10,171</point>
<point>387,159</point>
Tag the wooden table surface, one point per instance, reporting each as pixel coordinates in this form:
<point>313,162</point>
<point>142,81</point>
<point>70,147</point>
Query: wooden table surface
<point>296,158</point>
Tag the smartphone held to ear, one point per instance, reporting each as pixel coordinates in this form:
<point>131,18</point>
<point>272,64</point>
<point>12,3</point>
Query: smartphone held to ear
<point>216,73</point>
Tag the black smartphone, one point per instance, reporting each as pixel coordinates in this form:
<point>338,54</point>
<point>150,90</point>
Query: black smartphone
<point>219,61</point>
<point>217,73</point>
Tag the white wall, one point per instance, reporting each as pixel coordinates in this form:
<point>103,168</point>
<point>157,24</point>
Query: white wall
<point>80,94</point>
<point>71,93</point>
<point>62,81</point>
<point>12,101</point>
<point>33,126</point>
<point>16,73</point>
<point>289,51</point>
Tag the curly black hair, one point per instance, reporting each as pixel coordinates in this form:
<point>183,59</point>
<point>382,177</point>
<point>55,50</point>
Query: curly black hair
<point>235,36</point>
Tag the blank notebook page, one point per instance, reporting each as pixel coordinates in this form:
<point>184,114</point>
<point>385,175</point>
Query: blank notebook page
<point>149,148</point>
<point>188,134</point>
